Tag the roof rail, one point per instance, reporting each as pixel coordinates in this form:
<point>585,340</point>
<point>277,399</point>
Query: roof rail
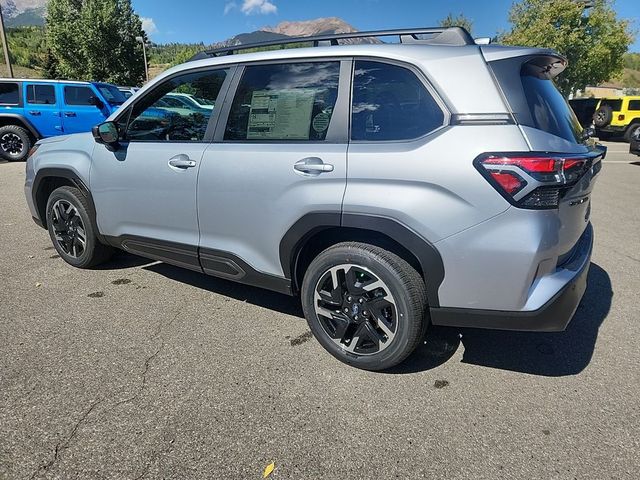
<point>427,36</point>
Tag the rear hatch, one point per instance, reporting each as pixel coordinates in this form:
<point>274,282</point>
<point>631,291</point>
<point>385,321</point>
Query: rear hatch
<point>563,164</point>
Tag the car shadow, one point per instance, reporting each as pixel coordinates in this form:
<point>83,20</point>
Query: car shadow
<point>244,293</point>
<point>122,260</point>
<point>546,354</point>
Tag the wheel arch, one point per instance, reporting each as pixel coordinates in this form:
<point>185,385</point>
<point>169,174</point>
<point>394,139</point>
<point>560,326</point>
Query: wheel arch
<point>47,180</point>
<point>20,121</point>
<point>315,232</point>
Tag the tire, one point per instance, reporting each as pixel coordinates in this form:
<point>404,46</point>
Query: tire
<point>380,303</point>
<point>632,132</point>
<point>15,143</point>
<point>72,229</point>
<point>603,116</point>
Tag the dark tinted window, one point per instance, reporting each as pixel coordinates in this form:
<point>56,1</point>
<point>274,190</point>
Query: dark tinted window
<point>78,95</point>
<point>616,105</point>
<point>634,104</point>
<point>111,94</point>
<point>284,102</point>
<point>9,94</point>
<point>391,103</point>
<point>41,94</point>
<point>159,117</point>
<point>549,110</point>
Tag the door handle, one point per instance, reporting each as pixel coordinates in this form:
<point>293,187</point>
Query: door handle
<point>70,114</point>
<point>182,162</point>
<point>35,113</point>
<point>312,166</point>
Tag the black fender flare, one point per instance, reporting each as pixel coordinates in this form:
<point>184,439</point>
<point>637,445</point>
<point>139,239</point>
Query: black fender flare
<point>307,226</point>
<point>68,174</point>
<point>25,121</point>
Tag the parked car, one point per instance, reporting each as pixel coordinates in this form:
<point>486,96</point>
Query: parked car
<point>193,101</point>
<point>34,109</point>
<point>452,211</point>
<point>584,108</point>
<point>618,117</point>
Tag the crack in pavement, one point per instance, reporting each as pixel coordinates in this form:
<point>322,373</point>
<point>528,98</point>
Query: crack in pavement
<point>64,444</point>
<point>147,364</point>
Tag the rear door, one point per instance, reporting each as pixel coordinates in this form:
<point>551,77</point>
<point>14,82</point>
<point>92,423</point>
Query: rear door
<point>79,110</point>
<point>279,153</point>
<point>42,108</point>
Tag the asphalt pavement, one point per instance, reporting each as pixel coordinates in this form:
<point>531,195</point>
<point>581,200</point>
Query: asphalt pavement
<point>143,370</point>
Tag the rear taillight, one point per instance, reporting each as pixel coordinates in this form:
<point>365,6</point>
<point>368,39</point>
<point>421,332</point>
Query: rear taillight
<point>533,180</point>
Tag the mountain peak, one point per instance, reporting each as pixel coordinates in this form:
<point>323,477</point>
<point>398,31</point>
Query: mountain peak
<point>307,28</point>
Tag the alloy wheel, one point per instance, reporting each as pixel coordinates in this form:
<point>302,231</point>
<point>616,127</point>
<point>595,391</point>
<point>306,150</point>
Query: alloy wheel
<point>68,228</point>
<point>356,309</point>
<point>12,143</point>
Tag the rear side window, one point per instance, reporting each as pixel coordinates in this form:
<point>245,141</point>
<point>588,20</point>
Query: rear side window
<point>616,105</point>
<point>634,104</point>
<point>549,110</point>
<point>391,103</point>
<point>78,95</point>
<point>281,102</point>
<point>41,94</point>
<point>9,94</point>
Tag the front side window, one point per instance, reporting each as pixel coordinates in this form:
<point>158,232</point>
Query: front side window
<point>41,94</point>
<point>634,105</point>
<point>79,96</point>
<point>391,103</point>
<point>9,94</point>
<point>159,116</point>
<point>284,102</point>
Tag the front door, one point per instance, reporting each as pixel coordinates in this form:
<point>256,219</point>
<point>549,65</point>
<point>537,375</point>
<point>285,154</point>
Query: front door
<point>42,108</point>
<point>281,155</point>
<point>145,191</point>
<point>80,111</point>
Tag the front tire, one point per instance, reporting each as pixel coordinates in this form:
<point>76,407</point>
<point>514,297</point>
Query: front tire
<point>72,229</point>
<point>632,132</point>
<point>365,305</point>
<point>15,143</point>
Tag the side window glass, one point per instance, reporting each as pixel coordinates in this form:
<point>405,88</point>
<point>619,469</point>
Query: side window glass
<point>78,96</point>
<point>41,94</point>
<point>634,105</point>
<point>159,116</point>
<point>283,102</point>
<point>9,94</point>
<point>391,103</point>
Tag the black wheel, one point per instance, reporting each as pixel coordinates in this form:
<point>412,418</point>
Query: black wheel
<point>365,305</point>
<point>15,143</point>
<point>72,230</point>
<point>603,116</point>
<point>633,132</point>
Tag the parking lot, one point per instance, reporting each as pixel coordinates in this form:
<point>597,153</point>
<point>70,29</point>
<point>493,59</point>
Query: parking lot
<point>143,370</point>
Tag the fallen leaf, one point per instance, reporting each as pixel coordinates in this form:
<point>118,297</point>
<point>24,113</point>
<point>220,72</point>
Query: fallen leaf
<point>31,256</point>
<point>38,284</point>
<point>269,468</point>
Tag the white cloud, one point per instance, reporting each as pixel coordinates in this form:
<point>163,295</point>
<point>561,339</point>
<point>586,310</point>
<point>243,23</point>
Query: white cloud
<point>230,6</point>
<point>258,6</point>
<point>149,26</point>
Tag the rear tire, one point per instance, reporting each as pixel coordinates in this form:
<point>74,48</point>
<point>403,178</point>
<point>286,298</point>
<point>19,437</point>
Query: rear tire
<point>15,143</point>
<point>355,292</point>
<point>632,132</point>
<point>72,229</point>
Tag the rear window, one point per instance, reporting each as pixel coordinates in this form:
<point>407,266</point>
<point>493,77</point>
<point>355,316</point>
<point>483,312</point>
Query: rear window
<point>9,94</point>
<point>616,105</point>
<point>549,110</point>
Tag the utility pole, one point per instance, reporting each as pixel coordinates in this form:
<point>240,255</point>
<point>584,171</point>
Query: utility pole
<point>144,53</point>
<point>5,46</point>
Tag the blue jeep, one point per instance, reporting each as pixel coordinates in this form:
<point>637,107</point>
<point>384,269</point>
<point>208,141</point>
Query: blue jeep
<point>35,109</point>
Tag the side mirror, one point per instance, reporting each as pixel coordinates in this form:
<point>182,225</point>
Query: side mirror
<point>107,134</point>
<point>96,102</point>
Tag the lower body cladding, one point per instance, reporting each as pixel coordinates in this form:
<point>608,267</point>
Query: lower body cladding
<point>543,297</point>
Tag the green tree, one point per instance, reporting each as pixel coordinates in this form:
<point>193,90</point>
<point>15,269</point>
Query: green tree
<point>458,21</point>
<point>95,40</point>
<point>594,40</point>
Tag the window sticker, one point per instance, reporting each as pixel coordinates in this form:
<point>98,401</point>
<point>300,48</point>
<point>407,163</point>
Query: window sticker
<point>321,122</point>
<point>280,114</point>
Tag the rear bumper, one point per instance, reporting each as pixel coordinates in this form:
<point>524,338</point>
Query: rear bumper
<point>553,316</point>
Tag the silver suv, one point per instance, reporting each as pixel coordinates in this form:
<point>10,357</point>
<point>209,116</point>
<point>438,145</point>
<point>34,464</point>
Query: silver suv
<point>391,186</point>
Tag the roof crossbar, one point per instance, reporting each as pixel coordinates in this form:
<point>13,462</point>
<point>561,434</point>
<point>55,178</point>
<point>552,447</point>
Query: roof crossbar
<point>427,36</point>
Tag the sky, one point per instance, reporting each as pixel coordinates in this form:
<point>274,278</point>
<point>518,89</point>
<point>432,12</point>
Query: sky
<point>209,21</point>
